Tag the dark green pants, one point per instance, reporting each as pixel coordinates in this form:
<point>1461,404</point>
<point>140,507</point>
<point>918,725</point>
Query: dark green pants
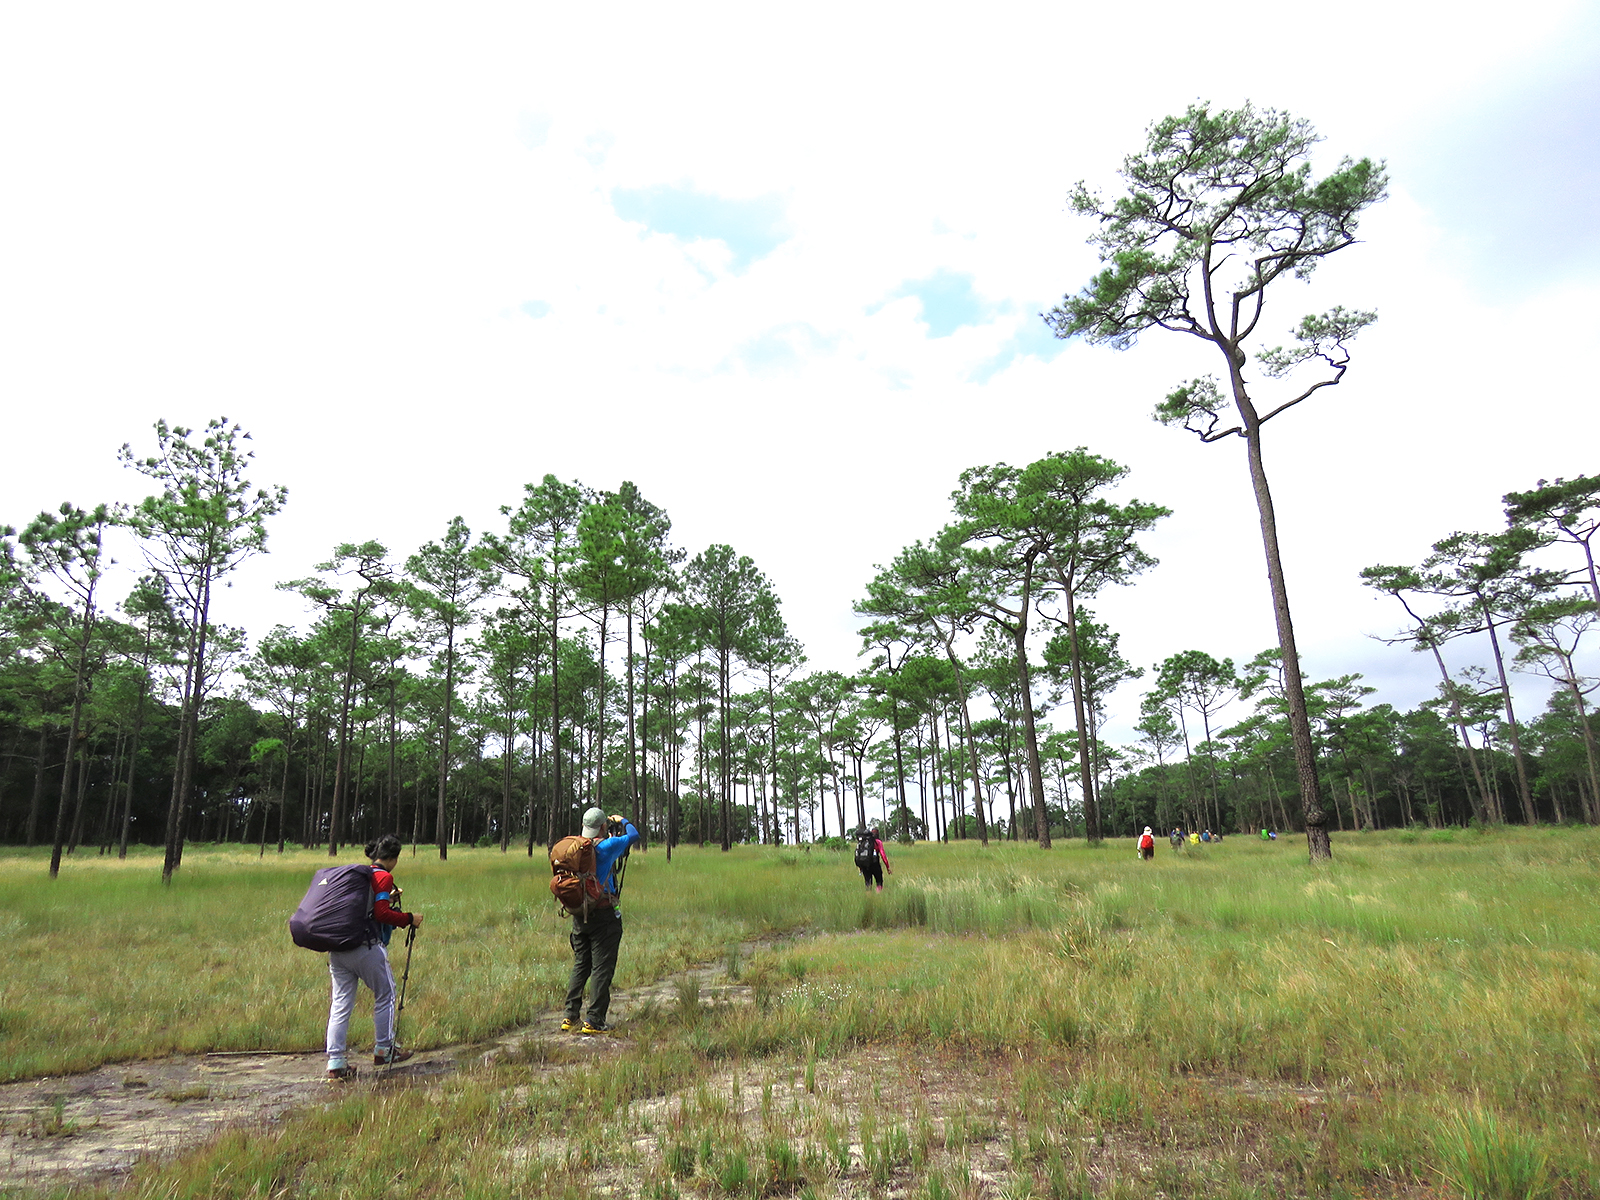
<point>594,961</point>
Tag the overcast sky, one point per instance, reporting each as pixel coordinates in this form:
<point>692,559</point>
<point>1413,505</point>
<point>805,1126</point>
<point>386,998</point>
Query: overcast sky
<point>783,268</point>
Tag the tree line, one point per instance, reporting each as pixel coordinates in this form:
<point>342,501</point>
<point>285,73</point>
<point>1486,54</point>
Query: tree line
<point>488,686</point>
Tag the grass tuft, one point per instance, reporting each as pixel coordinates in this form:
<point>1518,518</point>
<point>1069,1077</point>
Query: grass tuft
<point>1485,1157</point>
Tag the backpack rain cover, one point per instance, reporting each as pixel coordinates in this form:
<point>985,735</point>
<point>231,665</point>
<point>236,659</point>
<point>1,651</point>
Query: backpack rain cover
<point>336,913</point>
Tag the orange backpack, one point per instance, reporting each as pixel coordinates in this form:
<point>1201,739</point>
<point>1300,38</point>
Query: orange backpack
<point>572,876</point>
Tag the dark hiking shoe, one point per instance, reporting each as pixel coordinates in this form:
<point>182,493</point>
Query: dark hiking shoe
<point>341,1074</point>
<point>589,1029</point>
<point>387,1057</point>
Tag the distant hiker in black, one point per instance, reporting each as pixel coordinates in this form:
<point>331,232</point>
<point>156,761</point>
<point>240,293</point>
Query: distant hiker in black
<point>871,858</point>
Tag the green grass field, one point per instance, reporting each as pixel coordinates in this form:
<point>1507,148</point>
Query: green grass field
<point>1420,1018</point>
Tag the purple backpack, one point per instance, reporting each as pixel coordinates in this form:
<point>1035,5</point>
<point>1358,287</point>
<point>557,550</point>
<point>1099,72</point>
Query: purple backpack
<point>336,913</point>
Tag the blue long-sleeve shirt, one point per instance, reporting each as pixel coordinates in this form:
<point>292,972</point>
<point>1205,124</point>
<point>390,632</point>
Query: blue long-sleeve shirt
<point>608,851</point>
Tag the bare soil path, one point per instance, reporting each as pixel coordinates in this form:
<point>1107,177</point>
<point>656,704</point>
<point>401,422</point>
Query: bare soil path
<point>96,1126</point>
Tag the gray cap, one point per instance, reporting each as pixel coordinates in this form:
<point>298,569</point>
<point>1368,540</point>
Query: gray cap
<point>593,822</point>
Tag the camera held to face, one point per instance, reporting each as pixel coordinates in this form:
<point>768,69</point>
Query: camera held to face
<point>616,826</point>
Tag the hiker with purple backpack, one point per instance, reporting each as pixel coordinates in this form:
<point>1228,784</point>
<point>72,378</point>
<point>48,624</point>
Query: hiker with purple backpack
<point>350,912</point>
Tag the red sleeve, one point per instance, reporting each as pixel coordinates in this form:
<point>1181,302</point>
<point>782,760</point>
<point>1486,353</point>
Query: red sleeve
<point>383,908</point>
<point>882,853</point>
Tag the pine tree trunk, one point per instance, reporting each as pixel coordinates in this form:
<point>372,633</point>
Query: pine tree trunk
<point>1524,793</point>
<point>556,798</point>
<point>1461,725</point>
<point>73,729</point>
<point>444,738</point>
<point>37,802</point>
<point>966,734</point>
<point>76,838</point>
<point>393,797</point>
<point>1305,757</point>
<point>133,757</point>
<point>533,774</point>
<point>283,794</point>
<point>641,819</point>
<point>1590,755</point>
<point>1030,729</point>
<point>505,797</point>
<point>772,741</point>
<point>600,716</point>
<point>189,715</point>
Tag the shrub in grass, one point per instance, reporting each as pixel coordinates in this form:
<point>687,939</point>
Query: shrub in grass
<point>838,1147</point>
<point>733,1173</point>
<point>1485,1158</point>
<point>1063,1182</point>
<point>883,1154</point>
<point>687,988</point>
<point>1106,1100</point>
<point>680,1158</point>
<point>783,1165</point>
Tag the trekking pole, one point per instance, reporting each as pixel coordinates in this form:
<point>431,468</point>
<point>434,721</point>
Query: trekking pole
<point>411,936</point>
<point>394,1039</point>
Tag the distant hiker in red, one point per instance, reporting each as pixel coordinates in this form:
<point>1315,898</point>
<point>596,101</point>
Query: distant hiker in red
<point>871,860</point>
<point>1147,844</point>
<point>368,963</point>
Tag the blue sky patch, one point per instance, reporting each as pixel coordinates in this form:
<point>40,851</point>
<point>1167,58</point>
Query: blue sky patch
<point>783,349</point>
<point>535,308</point>
<point>751,229</point>
<point>948,301</point>
<point>533,130</point>
<point>1033,339</point>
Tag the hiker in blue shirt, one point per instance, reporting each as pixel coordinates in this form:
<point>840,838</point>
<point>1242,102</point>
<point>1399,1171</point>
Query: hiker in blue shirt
<point>596,941</point>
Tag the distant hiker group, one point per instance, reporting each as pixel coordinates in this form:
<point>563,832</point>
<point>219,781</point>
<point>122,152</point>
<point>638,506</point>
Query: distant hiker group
<point>349,913</point>
<point>1178,838</point>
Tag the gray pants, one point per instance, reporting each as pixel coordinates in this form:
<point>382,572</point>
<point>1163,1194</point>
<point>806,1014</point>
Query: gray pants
<point>368,965</point>
<point>594,961</point>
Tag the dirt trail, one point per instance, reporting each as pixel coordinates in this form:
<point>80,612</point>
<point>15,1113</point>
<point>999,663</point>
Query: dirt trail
<point>96,1126</point>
